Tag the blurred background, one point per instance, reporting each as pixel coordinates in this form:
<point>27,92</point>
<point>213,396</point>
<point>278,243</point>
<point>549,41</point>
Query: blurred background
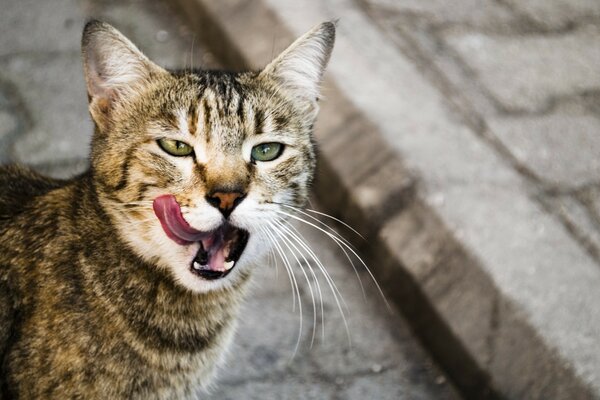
<point>460,138</point>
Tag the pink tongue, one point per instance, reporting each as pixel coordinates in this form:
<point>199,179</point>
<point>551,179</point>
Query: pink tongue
<point>175,226</point>
<point>216,251</point>
<point>216,260</point>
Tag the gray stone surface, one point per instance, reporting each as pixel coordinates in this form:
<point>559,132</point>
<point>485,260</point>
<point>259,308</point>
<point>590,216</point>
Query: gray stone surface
<point>527,72</point>
<point>60,129</point>
<point>556,14</point>
<point>59,30</point>
<point>561,149</point>
<point>285,388</point>
<point>582,219</point>
<point>8,123</point>
<point>12,119</point>
<point>592,199</point>
<point>363,387</point>
<point>472,12</point>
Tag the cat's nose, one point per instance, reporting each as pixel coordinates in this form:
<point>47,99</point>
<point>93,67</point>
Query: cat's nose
<point>225,201</point>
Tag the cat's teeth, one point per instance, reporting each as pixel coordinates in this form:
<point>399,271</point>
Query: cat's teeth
<point>229,265</point>
<point>197,265</point>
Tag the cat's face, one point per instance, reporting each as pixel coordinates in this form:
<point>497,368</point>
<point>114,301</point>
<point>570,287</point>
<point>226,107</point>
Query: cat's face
<point>198,169</point>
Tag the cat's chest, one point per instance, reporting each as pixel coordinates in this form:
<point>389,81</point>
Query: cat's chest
<point>183,376</point>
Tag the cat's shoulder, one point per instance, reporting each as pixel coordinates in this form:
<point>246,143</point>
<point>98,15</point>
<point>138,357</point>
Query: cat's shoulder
<point>19,185</point>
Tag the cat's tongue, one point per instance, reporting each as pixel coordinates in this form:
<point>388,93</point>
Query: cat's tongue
<point>175,226</point>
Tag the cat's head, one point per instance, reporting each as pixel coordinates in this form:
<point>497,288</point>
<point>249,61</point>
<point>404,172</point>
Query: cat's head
<point>197,169</point>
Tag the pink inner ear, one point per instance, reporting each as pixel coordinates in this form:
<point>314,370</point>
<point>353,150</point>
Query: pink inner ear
<point>92,76</point>
<point>175,226</point>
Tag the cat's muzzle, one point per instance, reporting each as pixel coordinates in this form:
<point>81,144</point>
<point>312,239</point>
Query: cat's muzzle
<point>220,249</point>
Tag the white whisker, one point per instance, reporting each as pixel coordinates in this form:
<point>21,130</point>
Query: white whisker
<point>295,286</point>
<point>341,242</point>
<point>334,289</point>
<point>333,232</point>
<point>288,244</point>
<point>325,215</point>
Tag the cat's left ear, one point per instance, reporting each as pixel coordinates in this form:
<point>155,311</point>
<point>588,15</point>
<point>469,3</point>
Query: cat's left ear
<point>114,68</point>
<point>299,69</point>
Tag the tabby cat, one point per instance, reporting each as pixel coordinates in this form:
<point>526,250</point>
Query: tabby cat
<point>124,282</point>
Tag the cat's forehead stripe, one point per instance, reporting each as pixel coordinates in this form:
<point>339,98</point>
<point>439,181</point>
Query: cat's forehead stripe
<point>206,118</point>
<point>259,121</point>
<point>192,118</point>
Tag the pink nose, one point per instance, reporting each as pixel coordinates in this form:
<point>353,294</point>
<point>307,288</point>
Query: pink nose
<point>226,202</point>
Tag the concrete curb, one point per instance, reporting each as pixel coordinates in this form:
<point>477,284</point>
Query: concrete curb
<point>467,315</point>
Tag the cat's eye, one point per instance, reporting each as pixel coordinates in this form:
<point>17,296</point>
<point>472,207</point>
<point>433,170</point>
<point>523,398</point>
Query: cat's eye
<point>175,147</point>
<point>266,151</point>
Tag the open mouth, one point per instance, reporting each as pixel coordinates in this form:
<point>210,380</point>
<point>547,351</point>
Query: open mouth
<point>220,249</point>
<point>219,252</point>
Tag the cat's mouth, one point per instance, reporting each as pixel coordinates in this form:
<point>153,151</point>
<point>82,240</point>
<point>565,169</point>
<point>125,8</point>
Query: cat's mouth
<point>219,252</point>
<point>220,249</point>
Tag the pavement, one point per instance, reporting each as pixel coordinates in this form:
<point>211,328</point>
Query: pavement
<point>462,138</point>
<point>44,123</point>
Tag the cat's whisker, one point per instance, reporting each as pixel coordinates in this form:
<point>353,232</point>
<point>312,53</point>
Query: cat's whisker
<point>271,240</point>
<point>297,235</point>
<point>136,206</point>
<point>140,202</point>
<point>288,244</point>
<point>274,262</point>
<point>328,216</point>
<point>334,289</point>
<point>348,247</point>
<point>362,288</point>
<point>139,221</point>
<point>304,242</point>
<point>271,258</point>
<point>312,217</point>
<point>192,53</point>
<point>291,248</point>
<point>295,286</point>
<point>282,224</point>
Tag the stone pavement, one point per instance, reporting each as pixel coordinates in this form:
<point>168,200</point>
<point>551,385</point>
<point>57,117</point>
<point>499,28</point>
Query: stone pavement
<point>44,123</point>
<point>463,138</point>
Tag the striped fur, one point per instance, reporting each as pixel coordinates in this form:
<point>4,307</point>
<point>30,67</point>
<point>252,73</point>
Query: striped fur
<point>95,300</point>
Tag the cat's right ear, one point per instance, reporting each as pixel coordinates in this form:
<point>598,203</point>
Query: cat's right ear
<point>114,69</point>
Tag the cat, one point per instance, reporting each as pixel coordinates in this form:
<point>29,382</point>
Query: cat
<point>125,281</point>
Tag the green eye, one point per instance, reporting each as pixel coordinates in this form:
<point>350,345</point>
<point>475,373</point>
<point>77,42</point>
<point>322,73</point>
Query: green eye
<point>266,151</point>
<point>175,147</point>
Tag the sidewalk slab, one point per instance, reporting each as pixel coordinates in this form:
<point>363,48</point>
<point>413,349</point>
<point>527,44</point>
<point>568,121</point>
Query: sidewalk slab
<point>557,14</point>
<point>528,72</point>
<point>471,12</point>
<point>560,149</point>
<point>501,293</point>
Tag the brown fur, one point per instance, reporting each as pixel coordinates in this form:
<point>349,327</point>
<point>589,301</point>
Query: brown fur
<point>85,311</point>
